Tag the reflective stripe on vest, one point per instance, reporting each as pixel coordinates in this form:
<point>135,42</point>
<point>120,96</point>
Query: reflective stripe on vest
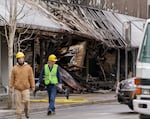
<point>50,76</point>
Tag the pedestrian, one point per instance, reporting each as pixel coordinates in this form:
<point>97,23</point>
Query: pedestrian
<point>21,81</point>
<point>50,76</point>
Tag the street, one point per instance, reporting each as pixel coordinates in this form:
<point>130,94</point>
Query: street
<point>95,111</point>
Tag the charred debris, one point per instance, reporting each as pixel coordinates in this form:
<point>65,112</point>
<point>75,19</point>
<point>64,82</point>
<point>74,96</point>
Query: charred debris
<point>86,65</point>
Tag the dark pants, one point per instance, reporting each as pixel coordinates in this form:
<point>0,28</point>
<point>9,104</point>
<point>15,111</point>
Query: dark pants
<point>51,89</point>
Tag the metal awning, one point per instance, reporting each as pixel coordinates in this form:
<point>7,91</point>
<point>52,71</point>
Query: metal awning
<point>31,16</point>
<point>119,21</point>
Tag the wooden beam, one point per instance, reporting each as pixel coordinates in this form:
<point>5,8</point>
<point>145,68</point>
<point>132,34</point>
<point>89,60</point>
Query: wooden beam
<point>126,63</point>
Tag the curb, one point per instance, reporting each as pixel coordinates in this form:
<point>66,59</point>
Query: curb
<point>62,100</point>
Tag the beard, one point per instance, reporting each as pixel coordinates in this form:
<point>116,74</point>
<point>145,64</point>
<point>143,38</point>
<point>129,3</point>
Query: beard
<point>21,63</point>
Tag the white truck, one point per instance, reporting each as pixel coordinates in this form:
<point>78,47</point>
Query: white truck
<point>142,102</point>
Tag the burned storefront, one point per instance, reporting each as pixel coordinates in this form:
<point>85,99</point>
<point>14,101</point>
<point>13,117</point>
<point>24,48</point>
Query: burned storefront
<point>89,46</point>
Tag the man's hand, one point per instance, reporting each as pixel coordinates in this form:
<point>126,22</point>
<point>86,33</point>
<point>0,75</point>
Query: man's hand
<point>33,89</point>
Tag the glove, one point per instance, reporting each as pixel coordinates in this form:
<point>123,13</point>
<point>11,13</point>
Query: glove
<point>59,86</point>
<point>37,85</point>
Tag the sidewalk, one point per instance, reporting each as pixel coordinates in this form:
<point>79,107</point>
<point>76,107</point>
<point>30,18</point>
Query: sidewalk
<point>40,102</point>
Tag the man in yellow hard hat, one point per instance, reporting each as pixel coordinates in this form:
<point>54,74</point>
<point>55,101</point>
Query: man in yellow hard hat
<point>51,77</point>
<point>21,80</point>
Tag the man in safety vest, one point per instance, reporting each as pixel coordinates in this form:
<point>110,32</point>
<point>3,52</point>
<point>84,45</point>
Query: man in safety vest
<point>21,81</point>
<point>51,77</point>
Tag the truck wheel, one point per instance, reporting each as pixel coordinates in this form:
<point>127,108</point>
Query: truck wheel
<point>142,116</point>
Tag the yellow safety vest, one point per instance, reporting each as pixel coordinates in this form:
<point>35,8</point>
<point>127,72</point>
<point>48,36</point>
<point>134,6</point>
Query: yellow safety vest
<point>50,76</point>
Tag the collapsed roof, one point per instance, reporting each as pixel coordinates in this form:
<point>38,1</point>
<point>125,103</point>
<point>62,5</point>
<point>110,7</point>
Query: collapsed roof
<point>94,24</point>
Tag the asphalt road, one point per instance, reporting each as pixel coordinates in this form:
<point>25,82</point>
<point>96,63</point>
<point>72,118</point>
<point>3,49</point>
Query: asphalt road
<point>95,111</point>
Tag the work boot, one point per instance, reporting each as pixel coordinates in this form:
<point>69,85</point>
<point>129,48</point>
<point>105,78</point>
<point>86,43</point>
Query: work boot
<point>19,116</point>
<point>26,111</point>
<point>50,112</point>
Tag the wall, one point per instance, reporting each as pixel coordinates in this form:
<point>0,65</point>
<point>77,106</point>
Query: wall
<point>137,8</point>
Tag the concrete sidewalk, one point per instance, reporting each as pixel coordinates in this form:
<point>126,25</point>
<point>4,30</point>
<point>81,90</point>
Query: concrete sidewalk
<point>40,102</point>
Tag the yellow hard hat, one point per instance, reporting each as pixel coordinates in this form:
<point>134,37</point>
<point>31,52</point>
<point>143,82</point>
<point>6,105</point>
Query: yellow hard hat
<point>52,57</point>
<point>20,55</point>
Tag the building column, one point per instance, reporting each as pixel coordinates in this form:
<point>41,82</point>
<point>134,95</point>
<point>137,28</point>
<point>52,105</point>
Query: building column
<point>134,62</point>
<point>126,63</point>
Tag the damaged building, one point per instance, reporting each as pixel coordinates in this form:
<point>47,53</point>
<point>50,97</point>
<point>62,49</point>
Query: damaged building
<point>95,48</point>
